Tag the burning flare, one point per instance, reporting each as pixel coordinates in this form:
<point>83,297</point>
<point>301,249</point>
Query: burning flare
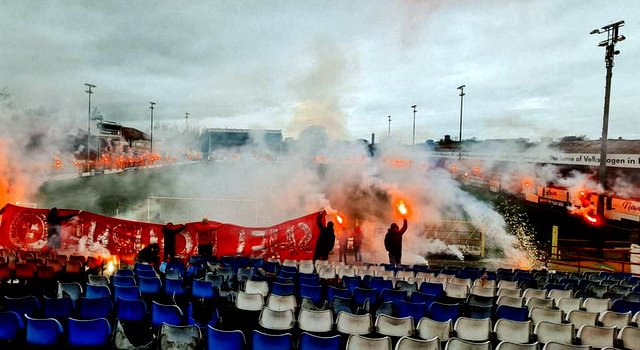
<point>339,218</point>
<point>402,208</point>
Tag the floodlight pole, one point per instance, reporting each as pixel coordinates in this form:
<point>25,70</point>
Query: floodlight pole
<point>389,130</point>
<point>186,120</point>
<point>414,124</point>
<point>461,88</point>
<point>89,91</point>
<point>151,104</point>
<point>610,52</point>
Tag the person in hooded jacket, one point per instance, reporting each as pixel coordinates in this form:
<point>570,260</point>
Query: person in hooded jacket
<point>393,242</point>
<point>326,240</point>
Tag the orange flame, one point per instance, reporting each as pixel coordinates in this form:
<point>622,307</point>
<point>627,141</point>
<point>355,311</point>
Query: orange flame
<point>402,207</point>
<point>339,218</point>
<point>592,219</point>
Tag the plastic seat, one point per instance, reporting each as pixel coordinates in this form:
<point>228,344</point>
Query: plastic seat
<point>456,291</point>
<point>259,287</point>
<point>580,318</point>
<point>249,301</point>
<point>568,304</point>
<point>123,281</point>
<point>510,301</point>
<point>278,302</point>
<point>310,341</point>
<point>554,332</point>
<point>91,308</point>
<point>629,337</point>
<point>315,321</point>
<point>173,337</point>
<point>264,341</point>
<point>11,326</point>
<point>223,339</point>
<point>393,295</point>
<point>488,292</point>
<point>96,291</point>
<point>436,289</point>
<point>126,292</point>
<point>58,308</point>
<point>44,332</point>
<point>507,345</point>
<point>333,292</point>
<point>428,328</point>
<point>625,306</point>
<point>419,297</point>
<point>596,305</point>
<point>461,344</point>
<point>28,304</point>
<point>276,320</point>
<point>150,286</point>
<point>507,284</point>
<point>557,294</point>
<point>283,288</point>
<point>72,289</point>
<point>98,280</point>
<point>513,331</point>
<point>146,274</point>
<point>407,343</point>
<point>312,292</point>
<point>124,272</point>
<point>173,286</point>
<point>615,319</point>
<point>538,314</point>
<point>514,293</point>
<point>553,345</point>
<point>413,310</point>
<point>339,304</point>
<point>535,302</point>
<point>394,326</point>
<point>131,310</point>
<point>89,333</point>
<point>512,313</point>
<point>597,337</point>
<point>361,295</point>
<point>442,312</point>
<point>359,342</point>
<point>202,289</point>
<point>162,313</point>
<point>348,323</point>
<point>534,293</point>
<point>476,330</point>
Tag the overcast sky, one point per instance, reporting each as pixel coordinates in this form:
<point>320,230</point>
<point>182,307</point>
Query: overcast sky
<point>530,67</point>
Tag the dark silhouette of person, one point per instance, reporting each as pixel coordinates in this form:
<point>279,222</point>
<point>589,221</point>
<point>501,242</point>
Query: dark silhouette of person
<point>343,239</point>
<point>393,242</point>
<point>169,232</point>
<point>150,255</point>
<point>54,227</point>
<point>357,242</point>
<point>326,240</point>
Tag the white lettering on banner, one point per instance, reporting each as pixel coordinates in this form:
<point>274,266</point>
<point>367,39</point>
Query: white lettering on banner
<point>553,193</point>
<point>625,205</point>
<point>590,159</point>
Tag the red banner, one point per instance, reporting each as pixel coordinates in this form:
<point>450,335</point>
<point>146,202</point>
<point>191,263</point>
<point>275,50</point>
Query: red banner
<point>92,234</point>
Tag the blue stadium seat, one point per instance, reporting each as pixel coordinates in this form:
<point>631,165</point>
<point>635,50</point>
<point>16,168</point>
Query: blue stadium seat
<point>333,292</point>
<point>58,308</point>
<point>91,308</point>
<point>123,281</point>
<point>149,286</point>
<point>511,313</point>
<point>11,326</point>
<point>124,272</point>
<point>97,291</point>
<point>161,313</point>
<point>202,289</point>
<point>416,310</point>
<point>435,289</point>
<point>29,305</point>
<point>44,332</point>
<point>131,310</point>
<point>361,295</point>
<point>221,339</point>
<point>443,312</point>
<point>126,292</point>
<point>393,295</point>
<point>145,273</point>
<point>625,306</point>
<point>351,283</point>
<point>312,292</point>
<point>419,297</point>
<point>380,285</point>
<point>95,333</point>
<point>173,286</point>
<point>264,341</point>
<point>309,341</point>
<point>310,280</point>
<point>283,288</point>
<point>143,267</point>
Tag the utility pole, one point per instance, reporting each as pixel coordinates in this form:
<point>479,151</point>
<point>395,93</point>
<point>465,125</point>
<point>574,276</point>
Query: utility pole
<point>151,104</point>
<point>610,52</point>
<point>89,91</point>
<point>389,130</point>
<point>186,120</point>
<point>414,124</point>
<point>461,88</point>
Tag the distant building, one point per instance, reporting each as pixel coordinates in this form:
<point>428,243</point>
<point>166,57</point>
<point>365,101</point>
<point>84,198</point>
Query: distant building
<point>214,139</point>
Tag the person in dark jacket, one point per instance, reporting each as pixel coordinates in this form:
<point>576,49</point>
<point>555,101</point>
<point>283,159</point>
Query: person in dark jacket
<point>326,240</point>
<point>169,232</point>
<point>393,242</point>
<point>54,227</point>
<point>150,255</point>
